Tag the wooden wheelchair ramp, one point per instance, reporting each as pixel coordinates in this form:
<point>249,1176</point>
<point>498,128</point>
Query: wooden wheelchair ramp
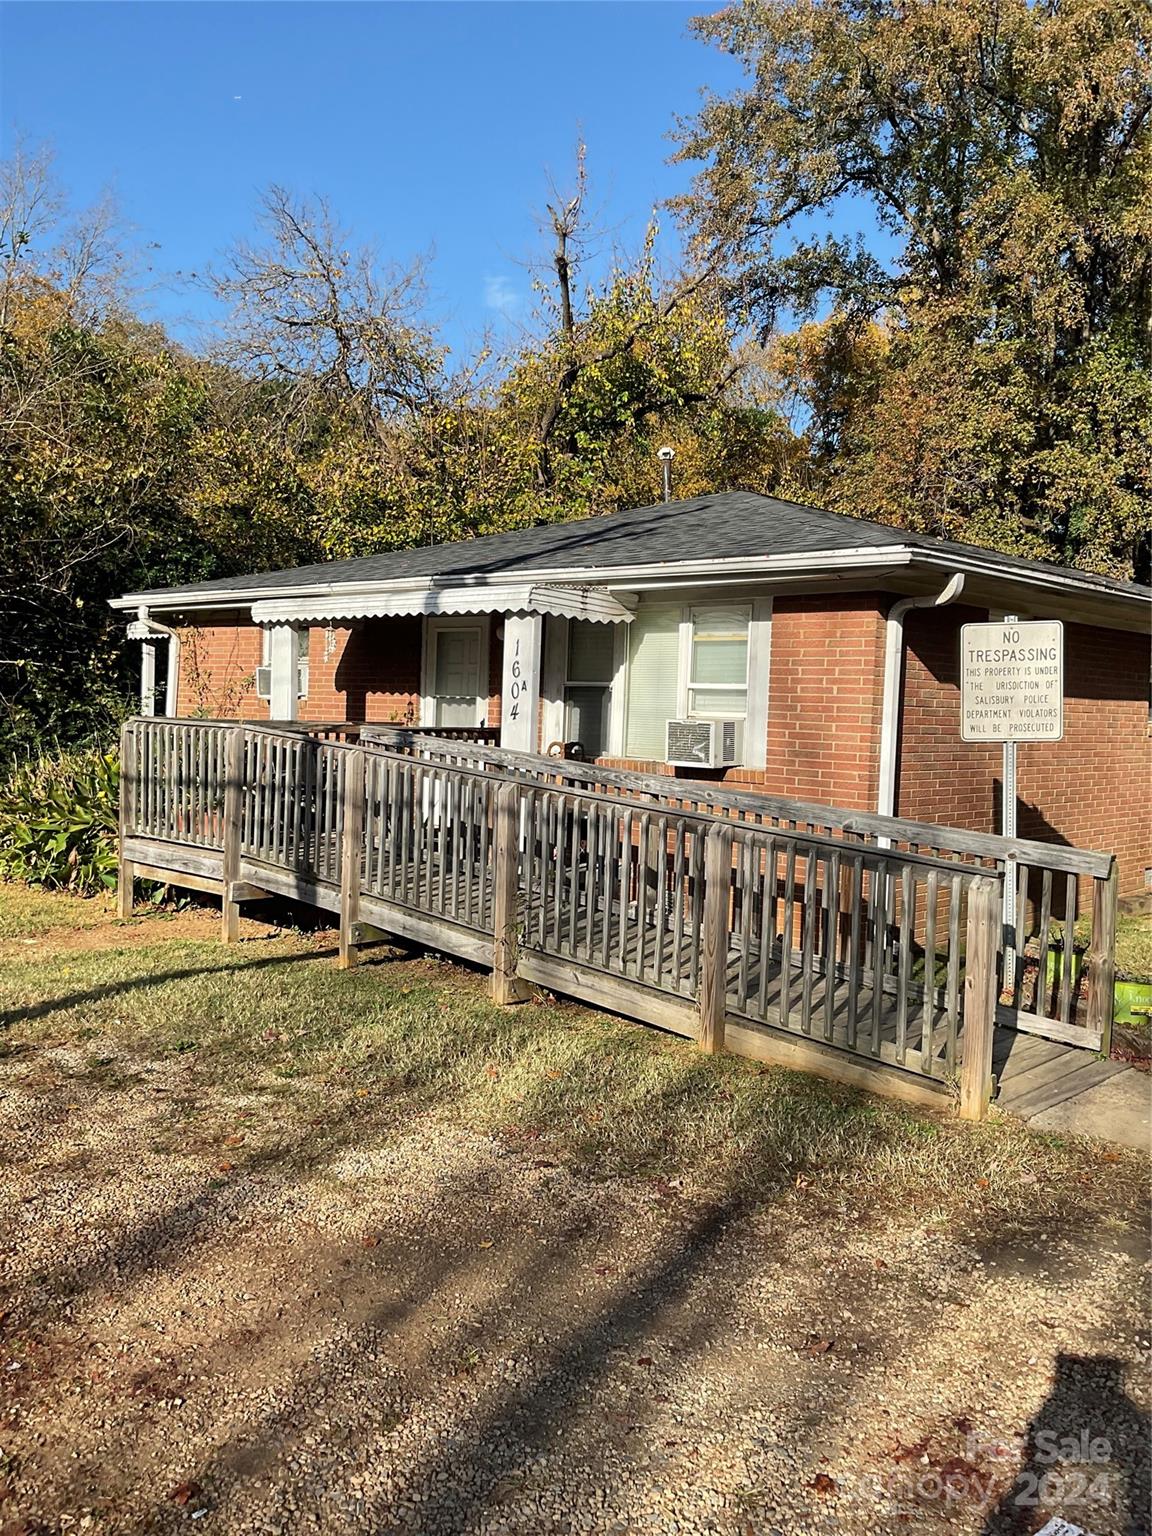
<point>864,949</point>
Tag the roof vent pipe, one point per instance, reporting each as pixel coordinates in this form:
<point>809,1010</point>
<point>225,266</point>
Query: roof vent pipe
<point>666,455</point>
<point>893,678</point>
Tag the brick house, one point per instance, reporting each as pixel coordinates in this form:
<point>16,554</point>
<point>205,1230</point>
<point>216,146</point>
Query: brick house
<point>831,643</point>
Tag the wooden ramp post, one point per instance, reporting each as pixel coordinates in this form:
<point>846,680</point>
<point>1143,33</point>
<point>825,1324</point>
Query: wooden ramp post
<point>126,871</point>
<point>1101,959</point>
<point>714,938</point>
<point>982,944</point>
<point>230,858</point>
<point>352,797</point>
<point>507,987</point>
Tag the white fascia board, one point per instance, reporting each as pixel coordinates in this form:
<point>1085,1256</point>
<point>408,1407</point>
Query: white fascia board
<point>669,573</point>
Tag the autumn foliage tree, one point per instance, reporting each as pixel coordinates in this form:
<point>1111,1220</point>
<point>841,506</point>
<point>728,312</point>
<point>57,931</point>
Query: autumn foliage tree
<point>990,383</point>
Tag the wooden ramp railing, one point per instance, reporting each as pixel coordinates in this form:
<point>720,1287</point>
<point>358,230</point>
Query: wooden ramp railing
<point>803,941</point>
<point>1055,964</point>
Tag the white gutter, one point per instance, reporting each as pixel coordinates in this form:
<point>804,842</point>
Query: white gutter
<point>599,576</point>
<point>893,680</point>
<point>669,572</point>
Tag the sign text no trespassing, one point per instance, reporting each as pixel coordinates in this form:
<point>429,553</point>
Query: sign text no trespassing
<point>1012,681</point>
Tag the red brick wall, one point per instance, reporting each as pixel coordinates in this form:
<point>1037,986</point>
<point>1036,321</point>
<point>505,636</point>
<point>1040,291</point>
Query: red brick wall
<point>824,694</point>
<point>1093,789</point>
<point>347,671</point>
<point>218,664</point>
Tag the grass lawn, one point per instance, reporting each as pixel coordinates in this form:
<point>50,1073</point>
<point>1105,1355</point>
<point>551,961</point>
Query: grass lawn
<point>402,1036</point>
<point>288,1248</point>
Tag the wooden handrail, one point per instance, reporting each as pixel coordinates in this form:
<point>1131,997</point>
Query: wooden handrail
<point>986,845</point>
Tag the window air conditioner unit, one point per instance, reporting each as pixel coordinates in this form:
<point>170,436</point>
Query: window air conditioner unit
<point>704,743</point>
<point>263,682</point>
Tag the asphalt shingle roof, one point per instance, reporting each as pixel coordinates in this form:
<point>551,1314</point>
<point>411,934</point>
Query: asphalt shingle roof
<point>729,525</point>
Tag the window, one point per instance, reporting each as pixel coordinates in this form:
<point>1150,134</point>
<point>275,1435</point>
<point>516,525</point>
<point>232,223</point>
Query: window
<point>653,680</point>
<point>588,685</point>
<point>707,662</point>
<point>300,652</point>
<point>718,663</point>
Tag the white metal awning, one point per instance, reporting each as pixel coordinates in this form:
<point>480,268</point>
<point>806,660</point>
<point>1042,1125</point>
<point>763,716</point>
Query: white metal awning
<point>573,602</point>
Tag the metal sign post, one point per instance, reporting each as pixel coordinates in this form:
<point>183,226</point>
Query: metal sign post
<point>1011,690</point>
<point>1008,829</point>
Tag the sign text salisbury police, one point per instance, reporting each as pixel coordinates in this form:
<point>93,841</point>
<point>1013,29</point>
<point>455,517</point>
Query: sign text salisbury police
<point>1012,681</point>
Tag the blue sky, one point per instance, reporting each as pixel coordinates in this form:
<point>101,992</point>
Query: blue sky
<point>431,127</point>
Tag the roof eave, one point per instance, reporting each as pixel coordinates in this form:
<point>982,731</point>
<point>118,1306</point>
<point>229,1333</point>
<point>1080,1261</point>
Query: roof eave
<point>761,567</point>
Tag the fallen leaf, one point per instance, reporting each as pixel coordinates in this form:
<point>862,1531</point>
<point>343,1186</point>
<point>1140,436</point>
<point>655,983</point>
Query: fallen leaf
<point>234,1141</point>
<point>184,1493</point>
<point>369,1240</point>
<point>225,1167</point>
<point>644,1360</point>
<point>823,1484</point>
<point>815,1345</point>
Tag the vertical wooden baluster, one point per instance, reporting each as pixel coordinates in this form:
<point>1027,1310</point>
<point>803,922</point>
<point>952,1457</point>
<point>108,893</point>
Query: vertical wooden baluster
<point>787,935</point>
<point>642,892</point>
<point>952,985</point>
<point>981,948</point>
<point>882,886</point>
<point>831,939</point>
<point>487,813</point>
<point>352,821</point>
<point>230,857</point>
<point>747,875</point>
<point>928,1006</point>
<point>611,842</point>
<point>696,884</point>
<point>1069,954</point>
<point>507,987</point>
<point>904,965</point>
<point>660,846</point>
<point>855,945</point>
<point>808,940</point>
<point>767,928</point>
<point>1021,934</point>
<point>625,890</point>
<point>713,985</point>
<point>680,895</point>
<point>576,842</point>
<point>591,883</point>
<point>1043,984</point>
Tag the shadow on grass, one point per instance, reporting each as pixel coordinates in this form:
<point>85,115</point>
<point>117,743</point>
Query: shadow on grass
<point>238,964</point>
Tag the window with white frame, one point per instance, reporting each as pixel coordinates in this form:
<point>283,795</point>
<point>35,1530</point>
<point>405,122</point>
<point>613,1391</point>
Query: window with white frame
<point>588,685</point>
<point>718,663</point>
<point>264,677</point>
<point>704,662</point>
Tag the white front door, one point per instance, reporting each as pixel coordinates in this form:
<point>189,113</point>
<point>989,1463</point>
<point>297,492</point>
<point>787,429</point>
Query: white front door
<point>456,657</point>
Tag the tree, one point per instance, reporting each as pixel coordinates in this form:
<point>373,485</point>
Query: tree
<point>1006,146</point>
<point>328,321</point>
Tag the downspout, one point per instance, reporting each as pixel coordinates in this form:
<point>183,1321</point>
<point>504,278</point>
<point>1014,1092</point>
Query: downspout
<point>161,631</point>
<point>893,680</point>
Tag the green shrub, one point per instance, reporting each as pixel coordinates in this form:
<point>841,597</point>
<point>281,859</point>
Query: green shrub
<point>58,821</point>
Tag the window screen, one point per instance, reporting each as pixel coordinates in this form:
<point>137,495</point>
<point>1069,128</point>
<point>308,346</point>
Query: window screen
<point>653,684</point>
<point>718,677</point>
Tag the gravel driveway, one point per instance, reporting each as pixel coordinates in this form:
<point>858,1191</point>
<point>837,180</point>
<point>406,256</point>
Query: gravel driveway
<point>430,1331</point>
